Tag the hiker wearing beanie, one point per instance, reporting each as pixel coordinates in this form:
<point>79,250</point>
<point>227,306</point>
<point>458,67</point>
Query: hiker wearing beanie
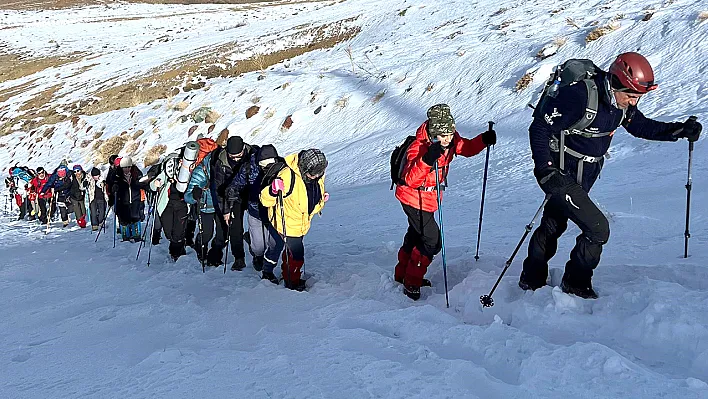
<point>225,167</point>
<point>78,195</point>
<point>42,198</point>
<point>59,185</point>
<point>571,131</point>
<point>97,199</point>
<point>253,177</point>
<point>296,194</point>
<point>113,166</point>
<point>436,142</point>
<point>129,199</point>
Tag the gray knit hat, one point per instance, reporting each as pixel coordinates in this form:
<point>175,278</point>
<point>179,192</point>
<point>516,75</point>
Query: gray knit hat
<point>312,161</point>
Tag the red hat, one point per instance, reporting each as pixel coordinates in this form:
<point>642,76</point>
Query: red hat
<point>117,161</point>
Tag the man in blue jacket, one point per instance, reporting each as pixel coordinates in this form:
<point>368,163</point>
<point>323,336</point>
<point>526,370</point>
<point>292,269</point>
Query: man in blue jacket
<point>252,177</point>
<point>568,178</point>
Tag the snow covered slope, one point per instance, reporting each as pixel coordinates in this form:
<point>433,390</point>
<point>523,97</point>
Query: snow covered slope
<point>85,320</point>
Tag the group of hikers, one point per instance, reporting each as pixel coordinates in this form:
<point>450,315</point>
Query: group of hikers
<point>197,197</point>
<point>573,123</point>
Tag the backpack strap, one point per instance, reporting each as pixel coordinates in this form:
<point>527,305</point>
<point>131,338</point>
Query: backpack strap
<point>292,183</point>
<point>590,108</point>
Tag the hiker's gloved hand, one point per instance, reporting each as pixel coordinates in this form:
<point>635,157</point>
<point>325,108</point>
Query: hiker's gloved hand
<point>552,180</point>
<point>277,186</point>
<point>157,183</point>
<point>325,197</point>
<point>114,189</point>
<point>691,130</point>
<point>489,137</point>
<point>434,152</point>
<point>197,193</point>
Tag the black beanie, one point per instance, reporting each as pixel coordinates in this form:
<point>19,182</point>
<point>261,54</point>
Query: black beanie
<point>40,169</point>
<point>234,145</point>
<point>95,172</point>
<point>268,151</point>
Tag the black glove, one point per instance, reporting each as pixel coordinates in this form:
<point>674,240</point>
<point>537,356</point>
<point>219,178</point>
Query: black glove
<point>489,137</point>
<point>114,189</point>
<point>434,152</point>
<point>197,193</point>
<point>552,180</point>
<point>691,129</point>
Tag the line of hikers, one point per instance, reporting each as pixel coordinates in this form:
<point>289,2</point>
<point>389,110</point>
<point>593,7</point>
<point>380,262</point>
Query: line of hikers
<point>202,208</point>
<point>573,124</point>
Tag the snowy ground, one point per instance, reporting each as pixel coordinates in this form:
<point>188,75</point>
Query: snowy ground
<point>86,320</point>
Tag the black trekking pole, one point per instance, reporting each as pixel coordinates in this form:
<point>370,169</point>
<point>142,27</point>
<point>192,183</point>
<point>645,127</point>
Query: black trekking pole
<point>486,300</point>
<point>103,225</point>
<point>285,237</point>
<point>147,226</point>
<point>484,191</point>
<point>201,237</point>
<point>689,184</point>
<point>115,217</point>
<point>442,232</point>
<point>226,247</point>
<point>151,229</point>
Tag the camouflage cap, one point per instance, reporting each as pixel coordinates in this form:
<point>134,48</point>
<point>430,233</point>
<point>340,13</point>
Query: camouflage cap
<point>440,120</point>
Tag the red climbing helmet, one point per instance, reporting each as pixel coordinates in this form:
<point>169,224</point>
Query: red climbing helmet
<point>632,72</point>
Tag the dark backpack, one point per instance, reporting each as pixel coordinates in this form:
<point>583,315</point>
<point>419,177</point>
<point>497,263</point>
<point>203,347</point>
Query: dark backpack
<point>398,160</point>
<point>272,172</point>
<point>570,72</point>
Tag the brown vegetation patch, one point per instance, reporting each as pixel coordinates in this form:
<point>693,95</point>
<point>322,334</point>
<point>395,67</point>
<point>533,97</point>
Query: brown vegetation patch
<point>223,136</point>
<point>110,147</point>
<point>153,154</point>
<point>251,111</point>
<point>15,66</point>
<point>213,63</point>
<point>524,82</point>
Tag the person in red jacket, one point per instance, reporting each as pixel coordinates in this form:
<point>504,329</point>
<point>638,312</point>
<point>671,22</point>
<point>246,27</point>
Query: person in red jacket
<point>43,199</point>
<point>436,141</point>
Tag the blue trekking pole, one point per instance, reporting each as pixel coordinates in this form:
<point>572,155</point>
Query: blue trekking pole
<point>484,191</point>
<point>442,232</point>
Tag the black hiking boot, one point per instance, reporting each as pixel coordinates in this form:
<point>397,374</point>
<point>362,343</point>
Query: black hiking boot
<point>412,292</point>
<point>584,291</point>
<point>270,277</point>
<point>258,263</point>
<point>526,283</point>
<point>295,285</point>
<point>425,283</point>
<point>239,264</point>
<point>155,237</point>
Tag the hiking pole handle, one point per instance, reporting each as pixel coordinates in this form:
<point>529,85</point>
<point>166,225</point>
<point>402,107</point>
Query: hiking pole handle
<point>486,300</point>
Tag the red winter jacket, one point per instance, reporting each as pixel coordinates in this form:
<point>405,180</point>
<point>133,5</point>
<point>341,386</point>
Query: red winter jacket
<point>418,175</point>
<point>38,183</point>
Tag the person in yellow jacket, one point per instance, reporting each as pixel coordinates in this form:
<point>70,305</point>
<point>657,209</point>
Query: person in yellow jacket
<point>296,194</point>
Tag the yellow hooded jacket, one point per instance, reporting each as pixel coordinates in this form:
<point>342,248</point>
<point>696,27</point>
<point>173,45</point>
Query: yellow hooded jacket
<point>297,220</point>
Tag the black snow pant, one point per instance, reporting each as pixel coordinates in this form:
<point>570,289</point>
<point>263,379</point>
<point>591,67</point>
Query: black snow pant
<point>209,226</point>
<point>235,230</point>
<point>173,220</point>
<point>98,212</point>
<point>574,204</point>
<point>42,212</point>
<point>24,208</point>
<point>191,225</point>
<point>423,232</point>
